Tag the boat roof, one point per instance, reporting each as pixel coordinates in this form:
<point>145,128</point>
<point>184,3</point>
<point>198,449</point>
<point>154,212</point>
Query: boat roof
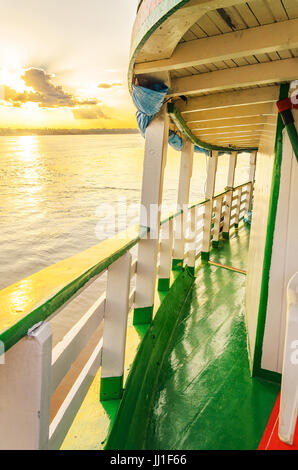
<point>227,57</point>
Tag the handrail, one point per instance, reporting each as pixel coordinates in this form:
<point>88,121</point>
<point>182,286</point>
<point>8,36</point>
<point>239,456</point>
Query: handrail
<point>35,298</point>
<point>32,300</point>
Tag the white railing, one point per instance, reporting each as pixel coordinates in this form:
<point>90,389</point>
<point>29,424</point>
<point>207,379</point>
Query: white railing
<point>289,385</point>
<point>42,386</point>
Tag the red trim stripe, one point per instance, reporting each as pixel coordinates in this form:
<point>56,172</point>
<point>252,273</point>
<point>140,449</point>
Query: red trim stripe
<point>270,439</point>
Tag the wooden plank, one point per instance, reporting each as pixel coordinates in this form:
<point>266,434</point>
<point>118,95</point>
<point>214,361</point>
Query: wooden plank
<point>263,109</point>
<point>260,40</point>
<point>66,351</point>
<point>68,410</point>
<point>233,122</point>
<point>115,317</point>
<point>230,99</point>
<point>25,392</point>
<point>250,75</point>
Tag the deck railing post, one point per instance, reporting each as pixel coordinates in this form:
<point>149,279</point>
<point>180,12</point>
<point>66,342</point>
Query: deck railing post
<point>238,204</point>
<point>289,385</point>
<point>156,144</point>
<point>217,221</point>
<point>115,327</point>
<point>186,165</point>
<point>252,171</point>
<point>209,193</point>
<point>229,195</point>
<point>25,382</point>
<point>191,240</point>
<point>165,260</point>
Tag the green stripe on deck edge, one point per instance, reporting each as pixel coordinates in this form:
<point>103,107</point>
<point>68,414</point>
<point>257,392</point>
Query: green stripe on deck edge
<point>111,388</point>
<point>205,256</point>
<point>164,284</point>
<point>177,264</point>
<point>143,315</point>
<point>129,428</point>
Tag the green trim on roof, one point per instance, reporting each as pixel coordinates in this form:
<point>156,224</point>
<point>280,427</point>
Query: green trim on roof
<point>183,127</point>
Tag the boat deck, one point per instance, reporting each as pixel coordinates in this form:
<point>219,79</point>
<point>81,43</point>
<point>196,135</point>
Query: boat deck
<point>206,398</point>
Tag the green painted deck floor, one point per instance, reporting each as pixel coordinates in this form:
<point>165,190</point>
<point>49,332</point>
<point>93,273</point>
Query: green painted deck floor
<point>206,398</point>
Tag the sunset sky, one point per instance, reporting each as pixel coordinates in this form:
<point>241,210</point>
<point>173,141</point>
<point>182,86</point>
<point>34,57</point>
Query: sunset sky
<point>63,63</point>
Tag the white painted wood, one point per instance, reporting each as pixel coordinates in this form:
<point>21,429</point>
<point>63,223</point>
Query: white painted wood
<point>217,219</point>
<point>229,195</point>
<point>209,193</point>
<point>230,99</point>
<point>227,79</point>
<point>69,408</point>
<point>115,317</point>
<point>25,392</point>
<point>259,40</point>
<point>166,247</point>
<point>186,165</point>
<point>238,203</point>
<point>133,268</point>
<point>156,144</point>
<point>66,351</point>
<point>191,239</point>
<point>289,386</point>
<point>284,260</point>
<point>252,171</point>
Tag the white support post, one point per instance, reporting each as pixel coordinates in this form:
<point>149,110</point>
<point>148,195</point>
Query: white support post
<point>165,253</point>
<point>156,145</point>
<point>252,171</point>
<point>25,382</point>
<point>217,221</point>
<point>186,165</point>
<point>289,384</point>
<point>115,326</point>
<point>238,204</point>
<point>191,240</point>
<point>229,195</point>
<point>210,185</point>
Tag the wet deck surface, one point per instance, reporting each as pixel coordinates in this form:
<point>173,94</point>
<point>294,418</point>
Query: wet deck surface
<point>206,398</point>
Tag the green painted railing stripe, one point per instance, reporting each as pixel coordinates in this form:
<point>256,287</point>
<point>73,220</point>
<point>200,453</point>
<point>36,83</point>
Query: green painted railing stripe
<point>257,370</point>
<point>186,131</point>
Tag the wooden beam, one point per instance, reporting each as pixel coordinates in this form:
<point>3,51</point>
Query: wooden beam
<point>249,75</point>
<point>260,40</point>
<point>254,110</point>
<point>230,99</point>
<point>235,122</point>
<point>242,127</point>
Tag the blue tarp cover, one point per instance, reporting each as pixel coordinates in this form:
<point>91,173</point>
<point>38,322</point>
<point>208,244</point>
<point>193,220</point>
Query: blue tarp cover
<point>149,102</point>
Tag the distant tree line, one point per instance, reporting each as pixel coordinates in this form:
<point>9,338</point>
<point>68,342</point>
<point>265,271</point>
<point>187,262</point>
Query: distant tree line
<point>24,132</point>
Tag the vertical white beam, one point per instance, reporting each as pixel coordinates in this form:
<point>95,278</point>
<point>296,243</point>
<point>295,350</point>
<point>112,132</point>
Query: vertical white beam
<point>252,171</point>
<point>289,385</point>
<point>217,220</point>
<point>115,326</point>
<point>209,193</point>
<point>165,260</point>
<point>238,204</point>
<point>156,144</point>
<point>229,195</point>
<point>25,380</point>
<point>186,165</point>
<point>191,240</point>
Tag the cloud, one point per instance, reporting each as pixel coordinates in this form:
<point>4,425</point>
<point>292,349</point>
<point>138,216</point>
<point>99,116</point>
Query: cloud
<point>109,85</point>
<point>43,92</point>
<point>89,113</point>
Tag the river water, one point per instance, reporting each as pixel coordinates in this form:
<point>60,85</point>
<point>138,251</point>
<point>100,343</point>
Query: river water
<point>55,192</point>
